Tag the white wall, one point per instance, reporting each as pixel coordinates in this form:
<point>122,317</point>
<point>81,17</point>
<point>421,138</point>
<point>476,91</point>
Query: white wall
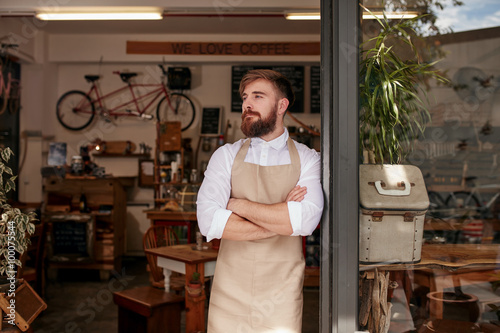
<point>62,62</point>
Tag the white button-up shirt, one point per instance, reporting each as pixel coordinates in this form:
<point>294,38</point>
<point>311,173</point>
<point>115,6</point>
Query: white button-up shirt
<point>215,190</point>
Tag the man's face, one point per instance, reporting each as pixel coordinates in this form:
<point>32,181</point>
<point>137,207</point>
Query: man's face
<point>260,109</point>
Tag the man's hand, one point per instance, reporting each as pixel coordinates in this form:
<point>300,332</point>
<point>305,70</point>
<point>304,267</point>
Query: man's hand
<point>296,194</point>
<point>273,217</point>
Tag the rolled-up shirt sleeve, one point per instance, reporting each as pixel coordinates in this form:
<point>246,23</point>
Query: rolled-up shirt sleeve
<point>305,215</point>
<point>213,195</point>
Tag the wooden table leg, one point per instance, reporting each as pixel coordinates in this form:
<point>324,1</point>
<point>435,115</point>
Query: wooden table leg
<point>195,306</point>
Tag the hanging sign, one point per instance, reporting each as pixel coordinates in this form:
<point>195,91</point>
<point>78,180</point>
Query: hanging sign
<point>225,48</point>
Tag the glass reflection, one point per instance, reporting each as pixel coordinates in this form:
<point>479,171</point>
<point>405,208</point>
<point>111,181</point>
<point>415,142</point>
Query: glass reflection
<point>454,287</point>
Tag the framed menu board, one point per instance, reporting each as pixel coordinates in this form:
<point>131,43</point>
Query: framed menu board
<point>295,74</point>
<point>315,89</point>
<point>73,235</point>
<point>211,119</point>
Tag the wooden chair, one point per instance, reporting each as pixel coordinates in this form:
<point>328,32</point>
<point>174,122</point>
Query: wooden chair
<point>156,236</point>
<point>32,269</point>
<point>148,310</point>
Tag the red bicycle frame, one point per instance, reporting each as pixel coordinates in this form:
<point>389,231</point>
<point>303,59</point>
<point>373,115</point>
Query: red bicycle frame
<point>134,101</point>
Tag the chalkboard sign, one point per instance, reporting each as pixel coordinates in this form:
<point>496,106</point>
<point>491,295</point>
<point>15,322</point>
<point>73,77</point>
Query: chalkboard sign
<point>295,74</point>
<point>315,89</point>
<point>211,121</point>
<point>72,237</point>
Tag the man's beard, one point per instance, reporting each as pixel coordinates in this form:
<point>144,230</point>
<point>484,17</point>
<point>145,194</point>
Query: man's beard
<point>260,127</point>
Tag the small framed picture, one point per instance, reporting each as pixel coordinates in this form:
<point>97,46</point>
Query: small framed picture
<point>211,120</point>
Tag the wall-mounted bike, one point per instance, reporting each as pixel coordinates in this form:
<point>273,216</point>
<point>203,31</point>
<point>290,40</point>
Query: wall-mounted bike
<point>76,109</point>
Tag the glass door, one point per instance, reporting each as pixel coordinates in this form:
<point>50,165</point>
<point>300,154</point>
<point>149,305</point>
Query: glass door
<point>429,234</point>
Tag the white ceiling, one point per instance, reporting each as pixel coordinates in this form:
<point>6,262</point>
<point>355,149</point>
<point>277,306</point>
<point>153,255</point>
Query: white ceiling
<point>189,17</point>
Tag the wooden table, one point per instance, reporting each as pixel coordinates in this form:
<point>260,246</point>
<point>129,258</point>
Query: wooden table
<point>186,259</point>
<point>441,266</point>
<point>449,257</point>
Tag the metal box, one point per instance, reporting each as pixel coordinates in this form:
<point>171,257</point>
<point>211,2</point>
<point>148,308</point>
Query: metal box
<point>393,202</point>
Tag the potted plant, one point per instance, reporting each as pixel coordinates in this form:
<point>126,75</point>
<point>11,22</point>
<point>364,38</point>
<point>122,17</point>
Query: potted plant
<point>393,113</point>
<point>15,226</point>
<point>194,286</point>
<point>15,230</point>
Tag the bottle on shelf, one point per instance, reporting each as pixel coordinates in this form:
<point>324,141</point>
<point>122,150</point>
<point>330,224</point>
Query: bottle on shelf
<point>220,140</point>
<point>83,204</point>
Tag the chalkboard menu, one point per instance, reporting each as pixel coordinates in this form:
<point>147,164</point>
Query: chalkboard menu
<point>72,237</point>
<point>295,74</point>
<point>315,89</point>
<point>211,121</point>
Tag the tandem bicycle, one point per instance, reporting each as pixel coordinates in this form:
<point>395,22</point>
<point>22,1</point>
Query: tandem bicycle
<point>76,109</point>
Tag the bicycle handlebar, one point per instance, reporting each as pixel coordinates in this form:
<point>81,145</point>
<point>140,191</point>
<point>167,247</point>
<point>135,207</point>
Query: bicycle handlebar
<point>162,69</point>
<point>161,66</point>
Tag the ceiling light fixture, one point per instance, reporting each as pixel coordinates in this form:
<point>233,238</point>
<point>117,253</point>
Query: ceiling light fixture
<point>67,16</point>
<point>366,15</point>
<point>390,16</point>
<point>302,16</point>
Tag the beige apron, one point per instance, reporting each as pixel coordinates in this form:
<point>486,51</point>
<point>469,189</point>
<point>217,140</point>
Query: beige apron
<point>258,284</point>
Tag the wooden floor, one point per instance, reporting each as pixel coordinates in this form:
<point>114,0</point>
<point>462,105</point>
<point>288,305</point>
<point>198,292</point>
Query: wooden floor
<point>78,301</point>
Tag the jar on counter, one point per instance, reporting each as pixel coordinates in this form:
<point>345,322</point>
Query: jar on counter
<point>76,165</point>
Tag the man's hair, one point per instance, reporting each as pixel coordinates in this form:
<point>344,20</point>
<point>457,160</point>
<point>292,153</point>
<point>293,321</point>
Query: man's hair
<point>280,82</point>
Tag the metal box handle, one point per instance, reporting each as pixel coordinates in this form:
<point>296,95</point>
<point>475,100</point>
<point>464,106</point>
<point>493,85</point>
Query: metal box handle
<point>382,191</point>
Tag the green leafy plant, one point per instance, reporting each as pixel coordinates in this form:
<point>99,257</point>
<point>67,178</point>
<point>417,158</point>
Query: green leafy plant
<point>195,278</point>
<point>393,113</point>
<point>14,224</point>
<point>194,287</point>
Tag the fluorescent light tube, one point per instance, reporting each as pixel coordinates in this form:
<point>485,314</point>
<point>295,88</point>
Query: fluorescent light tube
<point>70,16</point>
<point>302,16</point>
<point>366,15</point>
<point>393,16</point>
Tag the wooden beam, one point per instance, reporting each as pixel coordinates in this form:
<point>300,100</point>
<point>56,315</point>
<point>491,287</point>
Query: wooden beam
<point>225,48</point>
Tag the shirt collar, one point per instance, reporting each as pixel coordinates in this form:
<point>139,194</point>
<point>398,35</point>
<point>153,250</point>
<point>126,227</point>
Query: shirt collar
<point>277,143</point>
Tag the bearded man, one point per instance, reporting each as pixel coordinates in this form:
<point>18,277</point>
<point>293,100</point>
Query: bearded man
<point>259,196</point>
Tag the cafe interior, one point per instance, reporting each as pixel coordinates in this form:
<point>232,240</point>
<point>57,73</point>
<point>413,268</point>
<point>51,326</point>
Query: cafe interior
<point>112,122</point>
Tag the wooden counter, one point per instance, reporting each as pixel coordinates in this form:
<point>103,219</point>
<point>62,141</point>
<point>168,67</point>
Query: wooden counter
<point>105,221</point>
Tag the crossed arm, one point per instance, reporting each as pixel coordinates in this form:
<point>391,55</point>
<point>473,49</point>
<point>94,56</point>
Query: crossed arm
<point>251,220</point>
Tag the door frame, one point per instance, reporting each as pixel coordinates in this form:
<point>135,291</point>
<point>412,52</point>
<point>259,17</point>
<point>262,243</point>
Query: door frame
<point>340,158</point>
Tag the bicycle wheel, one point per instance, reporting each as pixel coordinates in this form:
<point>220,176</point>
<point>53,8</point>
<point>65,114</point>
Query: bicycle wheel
<point>437,206</point>
<point>178,108</point>
<point>75,110</point>
<point>15,97</point>
<point>464,203</point>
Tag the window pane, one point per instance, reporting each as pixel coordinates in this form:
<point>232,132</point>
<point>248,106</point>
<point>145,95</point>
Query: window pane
<point>430,267</point>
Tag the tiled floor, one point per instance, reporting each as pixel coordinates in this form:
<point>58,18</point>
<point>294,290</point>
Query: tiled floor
<point>79,302</point>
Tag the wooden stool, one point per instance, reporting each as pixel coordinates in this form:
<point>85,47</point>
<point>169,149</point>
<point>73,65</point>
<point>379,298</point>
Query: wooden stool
<point>148,310</point>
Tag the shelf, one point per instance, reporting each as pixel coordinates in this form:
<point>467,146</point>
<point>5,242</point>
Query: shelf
<point>76,212</point>
<point>121,155</point>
